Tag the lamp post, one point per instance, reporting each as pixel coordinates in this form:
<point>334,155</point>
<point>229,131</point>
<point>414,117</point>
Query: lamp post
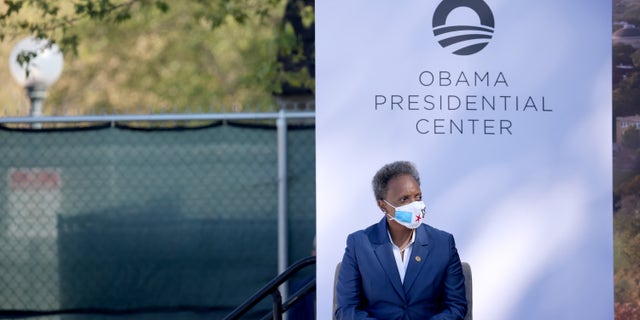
<point>38,73</point>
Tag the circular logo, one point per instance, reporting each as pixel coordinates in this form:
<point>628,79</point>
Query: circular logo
<point>463,38</point>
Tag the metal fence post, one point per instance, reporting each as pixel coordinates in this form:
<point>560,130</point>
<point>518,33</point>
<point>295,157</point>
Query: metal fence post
<point>282,198</point>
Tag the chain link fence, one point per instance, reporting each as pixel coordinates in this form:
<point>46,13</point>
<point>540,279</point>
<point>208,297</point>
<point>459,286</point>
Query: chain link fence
<point>112,221</point>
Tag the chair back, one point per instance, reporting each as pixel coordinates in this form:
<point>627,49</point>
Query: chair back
<point>468,286</point>
<point>335,282</point>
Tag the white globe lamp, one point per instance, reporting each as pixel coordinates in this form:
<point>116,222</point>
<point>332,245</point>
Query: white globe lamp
<point>37,74</point>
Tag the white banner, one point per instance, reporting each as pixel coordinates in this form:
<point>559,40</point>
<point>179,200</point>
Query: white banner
<point>505,108</point>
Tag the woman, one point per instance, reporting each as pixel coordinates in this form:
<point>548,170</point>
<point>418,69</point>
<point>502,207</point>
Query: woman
<point>400,268</point>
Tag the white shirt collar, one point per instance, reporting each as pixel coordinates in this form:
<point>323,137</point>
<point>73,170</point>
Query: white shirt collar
<point>401,263</point>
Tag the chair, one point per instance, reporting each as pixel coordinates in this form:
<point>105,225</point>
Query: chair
<point>468,285</point>
<point>335,282</point>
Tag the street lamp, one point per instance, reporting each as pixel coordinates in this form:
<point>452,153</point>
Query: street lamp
<point>38,73</point>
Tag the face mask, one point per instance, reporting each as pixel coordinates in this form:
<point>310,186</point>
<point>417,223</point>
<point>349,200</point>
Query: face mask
<point>409,215</point>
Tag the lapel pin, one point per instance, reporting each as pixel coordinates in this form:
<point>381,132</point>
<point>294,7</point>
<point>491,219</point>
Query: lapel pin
<point>418,259</point>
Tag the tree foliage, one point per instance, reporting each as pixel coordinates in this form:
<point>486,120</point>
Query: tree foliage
<point>626,218</point>
<point>626,96</point>
<point>631,138</point>
<point>122,54</point>
<point>622,54</point>
<point>626,92</point>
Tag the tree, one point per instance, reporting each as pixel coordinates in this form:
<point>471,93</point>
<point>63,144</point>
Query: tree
<point>631,138</point>
<point>122,54</point>
<point>622,54</point>
<point>626,95</point>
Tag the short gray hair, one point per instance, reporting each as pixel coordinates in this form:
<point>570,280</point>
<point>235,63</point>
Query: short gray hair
<point>389,171</point>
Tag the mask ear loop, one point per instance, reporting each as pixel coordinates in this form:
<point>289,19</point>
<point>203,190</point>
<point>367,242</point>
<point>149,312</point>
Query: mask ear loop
<point>382,207</point>
<point>387,202</point>
<point>386,213</point>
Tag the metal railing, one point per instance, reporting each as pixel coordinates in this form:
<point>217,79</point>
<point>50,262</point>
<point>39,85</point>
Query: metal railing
<point>271,288</point>
<point>282,114</point>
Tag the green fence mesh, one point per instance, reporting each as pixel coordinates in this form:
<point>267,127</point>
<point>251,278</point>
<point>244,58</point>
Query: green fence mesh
<point>114,222</point>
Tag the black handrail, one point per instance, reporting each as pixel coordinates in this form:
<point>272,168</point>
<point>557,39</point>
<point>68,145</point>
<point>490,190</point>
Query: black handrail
<point>271,288</point>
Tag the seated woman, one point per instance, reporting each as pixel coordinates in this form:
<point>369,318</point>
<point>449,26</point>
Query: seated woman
<point>400,267</point>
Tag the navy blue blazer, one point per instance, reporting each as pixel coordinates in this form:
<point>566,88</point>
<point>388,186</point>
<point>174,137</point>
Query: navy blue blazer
<point>369,285</point>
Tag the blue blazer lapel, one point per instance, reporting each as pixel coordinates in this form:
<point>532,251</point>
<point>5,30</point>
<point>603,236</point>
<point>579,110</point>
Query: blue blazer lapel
<point>419,255</point>
<point>384,253</point>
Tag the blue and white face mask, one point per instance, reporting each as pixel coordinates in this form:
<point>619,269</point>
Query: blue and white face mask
<point>409,215</point>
